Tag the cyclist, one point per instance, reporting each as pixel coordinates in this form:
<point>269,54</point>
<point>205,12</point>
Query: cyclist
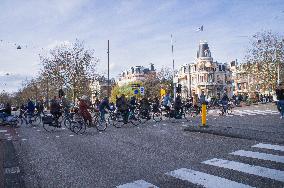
<point>40,107</point>
<point>102,106</point>
<point>167,102</point>
<point>202,98</point>
<point>83,110</point>
<point>8,109</point>
<point>122,107</point>
<point>30,109</point>
<point>280,97</point>
<point>145,107</point>
<point>55,109</point>
<point>178,106</point>
<point>225,101</point>
<point>156,105</point>
<point>65,105</point>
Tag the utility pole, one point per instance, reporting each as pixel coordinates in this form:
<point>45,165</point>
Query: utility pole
<point>108,84</point>
<point>174,85</point>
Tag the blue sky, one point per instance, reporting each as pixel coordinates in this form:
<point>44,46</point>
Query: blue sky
<point>139,31</point>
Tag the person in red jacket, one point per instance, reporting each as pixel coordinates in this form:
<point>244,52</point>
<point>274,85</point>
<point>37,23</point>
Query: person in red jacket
<point>83,109</point>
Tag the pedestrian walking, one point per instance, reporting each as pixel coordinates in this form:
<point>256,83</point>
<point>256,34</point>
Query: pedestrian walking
<point>280,98</point>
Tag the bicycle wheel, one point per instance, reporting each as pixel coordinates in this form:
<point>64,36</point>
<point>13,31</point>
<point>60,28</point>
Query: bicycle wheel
<point>118,121</point>
<point>157,116</point>
<point>101,125</point>
<point>141,118</point>
<point>36,121</point>
<point>49,127</point>
<point>67,123</point>
<point>230,110</point>
<point>134,119</point>
<point>186,116</point>
<point>78,127</point>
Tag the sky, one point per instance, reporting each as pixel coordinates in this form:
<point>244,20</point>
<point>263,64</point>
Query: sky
<point>139,31</point>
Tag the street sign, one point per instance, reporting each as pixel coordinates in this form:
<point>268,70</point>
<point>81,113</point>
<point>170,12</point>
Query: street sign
<point>135,85</point>
<point>135,91</point>
<point>142,90</point>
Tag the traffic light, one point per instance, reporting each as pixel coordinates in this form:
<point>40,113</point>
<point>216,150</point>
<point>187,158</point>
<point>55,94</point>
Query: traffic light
<point>61,93</point>
<point>179,88</point>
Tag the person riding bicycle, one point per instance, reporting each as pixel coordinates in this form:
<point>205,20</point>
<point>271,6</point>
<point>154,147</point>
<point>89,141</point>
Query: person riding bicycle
<point>55,109</point>
<point>178,105</point>
<point>132,104</point>
<point>65,105</point>
<point>7,111</point>
<point>39,107</point>
<point>156,105</point>
<point>122,107</point>
<point>167,102</point>
<point>225,101</point>
<point>102,108</point>
<point>145,107</point>
<point>202,98</point>
<point>83,110</point>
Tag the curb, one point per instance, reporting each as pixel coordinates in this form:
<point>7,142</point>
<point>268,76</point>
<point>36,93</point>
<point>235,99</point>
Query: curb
<point>12,173</point>
<point>226,132</point>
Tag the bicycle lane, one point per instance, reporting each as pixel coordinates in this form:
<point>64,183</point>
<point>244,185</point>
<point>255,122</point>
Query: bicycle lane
<point>10,173</point>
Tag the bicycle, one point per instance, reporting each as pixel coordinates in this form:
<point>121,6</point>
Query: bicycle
<point>50,122</point>
<point>124,117</point>
<point>225,108</point>
<point>30,119</point>
<point>67,119</point>
<point>79,124</point>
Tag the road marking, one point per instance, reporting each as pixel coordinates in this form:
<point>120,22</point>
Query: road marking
<point>71,135</point>
<point>23,139</point>
<point>3,131</point>
<point>269,146</point>
<point>164,124</point>
<point>137,184</point>
<point>246,168</point>
<point>57,136</point>
<point>47,137</point>
<point>63,128</point>
<point>206,180</point>
<point>38,130</point>
<point>258,155</point>
<point>12,170</point>
<point>243,112</point>
<point>254,112</point>
<point>8,134</point>
<point>34,127</point>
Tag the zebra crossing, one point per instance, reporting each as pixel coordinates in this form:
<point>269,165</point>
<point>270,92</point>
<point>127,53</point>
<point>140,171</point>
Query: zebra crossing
<point>208,180</point>
<point>246,112</point>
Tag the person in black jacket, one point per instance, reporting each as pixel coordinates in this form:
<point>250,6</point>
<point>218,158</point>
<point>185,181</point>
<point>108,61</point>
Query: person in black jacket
<point>280,98</point>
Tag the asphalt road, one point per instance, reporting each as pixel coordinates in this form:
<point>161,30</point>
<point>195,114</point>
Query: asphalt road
<point>162,155</point>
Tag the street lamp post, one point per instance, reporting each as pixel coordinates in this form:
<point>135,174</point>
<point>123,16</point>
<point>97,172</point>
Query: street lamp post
<point>174,85</point>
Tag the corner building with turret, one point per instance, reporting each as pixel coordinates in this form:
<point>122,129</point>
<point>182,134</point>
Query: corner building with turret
<point>204,75</point>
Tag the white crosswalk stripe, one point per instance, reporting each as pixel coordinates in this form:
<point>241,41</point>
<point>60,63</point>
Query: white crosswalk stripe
<point>245,113</point>
<point>211,181</point>
<point>269,146</point>
<point>204,179</point>
<point>246,168</point>
<point>137,184</point>
<point>257,155</point>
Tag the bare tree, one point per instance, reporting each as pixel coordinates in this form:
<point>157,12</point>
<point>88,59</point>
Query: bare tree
<point>70,68</point>
<point>263,59</point>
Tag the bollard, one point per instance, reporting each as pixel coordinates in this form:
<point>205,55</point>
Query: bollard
<point>203,115</point>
